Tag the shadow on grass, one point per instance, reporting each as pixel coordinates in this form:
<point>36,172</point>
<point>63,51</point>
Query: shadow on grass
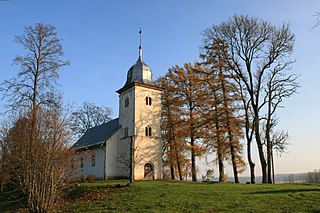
<point>284,191</point>
<point>93,192</point>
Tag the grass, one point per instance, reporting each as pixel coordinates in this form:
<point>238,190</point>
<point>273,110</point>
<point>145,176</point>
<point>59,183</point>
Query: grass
<point>176,196</point>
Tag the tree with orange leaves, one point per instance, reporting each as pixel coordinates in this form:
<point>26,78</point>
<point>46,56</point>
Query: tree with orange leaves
<point>186,95</point>
<point>227,120</point>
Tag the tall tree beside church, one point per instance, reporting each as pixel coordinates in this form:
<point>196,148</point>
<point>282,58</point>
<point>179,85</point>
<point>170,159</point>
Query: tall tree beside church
<point>174,147</point>
<point>214,138</point>
<point>189,95</point>
<point>87,116</point>
<point>227,114</point>
<point>33,93</point>
<point>255,48</point>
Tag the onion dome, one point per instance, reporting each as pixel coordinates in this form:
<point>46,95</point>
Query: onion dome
<point>140,72</point>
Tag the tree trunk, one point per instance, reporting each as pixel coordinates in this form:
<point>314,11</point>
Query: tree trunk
<point>260,149</point>
<point>221,168</point>
<point>193,161</point>
<point>251,164</point>
<point>267,135</point>
<point>178,165</point>
<point>179,170</point>
<point>269,163</point>
<point>272,166</point>
<point>172,171</point>
<point>234,164</point>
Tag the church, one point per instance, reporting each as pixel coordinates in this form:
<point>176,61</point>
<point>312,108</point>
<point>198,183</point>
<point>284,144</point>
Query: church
<point>128,146</point>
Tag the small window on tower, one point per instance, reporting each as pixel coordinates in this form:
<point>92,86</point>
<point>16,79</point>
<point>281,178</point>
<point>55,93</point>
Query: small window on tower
<point>126,130</point>
<point>126,102</point>
<point>148,100</point>
<point>148,131</point>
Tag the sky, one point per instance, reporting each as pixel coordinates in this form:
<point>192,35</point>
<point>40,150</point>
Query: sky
<point>101,40</point>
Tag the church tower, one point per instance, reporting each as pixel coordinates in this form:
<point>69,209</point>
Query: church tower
<point>139,119</point>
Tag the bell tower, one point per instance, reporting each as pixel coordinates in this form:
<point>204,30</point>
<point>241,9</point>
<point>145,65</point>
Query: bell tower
<point>139,118</point>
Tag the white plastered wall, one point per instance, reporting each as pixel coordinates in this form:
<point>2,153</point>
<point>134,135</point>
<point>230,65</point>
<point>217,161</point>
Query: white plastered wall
<point>147,149</point>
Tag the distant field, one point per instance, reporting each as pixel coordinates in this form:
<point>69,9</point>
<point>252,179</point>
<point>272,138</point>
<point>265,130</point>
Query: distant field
<point>176,196</point>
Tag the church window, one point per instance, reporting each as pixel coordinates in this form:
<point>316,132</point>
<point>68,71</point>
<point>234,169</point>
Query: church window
<point>126,102</point>
<point>126,130</point>
<point>148,131</point>
<point>148,100</point>
<point>93,159</point>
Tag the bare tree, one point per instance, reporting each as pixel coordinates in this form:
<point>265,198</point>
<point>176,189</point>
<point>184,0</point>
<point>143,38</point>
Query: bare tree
<point>39,134</point>
<point>42,181</point>
<point>87,116</point>
<point>35,82</point>
<point>279,86</point>
<point>313,177</point>
<point>255,48</point>
<point>5,148</point>
<point>279,142</point>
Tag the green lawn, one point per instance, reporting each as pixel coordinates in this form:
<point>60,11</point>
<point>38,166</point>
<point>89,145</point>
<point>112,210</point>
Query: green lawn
<point>175,196</point>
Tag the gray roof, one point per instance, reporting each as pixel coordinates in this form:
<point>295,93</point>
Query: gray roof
<point>139,72</point>
<point>97,135</point>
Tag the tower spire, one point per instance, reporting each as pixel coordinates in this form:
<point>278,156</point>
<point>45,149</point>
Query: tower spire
<point>140,46</point>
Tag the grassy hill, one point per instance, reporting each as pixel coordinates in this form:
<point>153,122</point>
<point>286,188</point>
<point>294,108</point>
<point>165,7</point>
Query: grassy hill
<point>176,196</point>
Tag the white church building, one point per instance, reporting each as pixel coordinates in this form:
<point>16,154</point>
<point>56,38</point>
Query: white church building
<point>133,140</point>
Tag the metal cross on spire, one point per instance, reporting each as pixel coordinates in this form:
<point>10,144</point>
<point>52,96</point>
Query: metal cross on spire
<point>140,46</point>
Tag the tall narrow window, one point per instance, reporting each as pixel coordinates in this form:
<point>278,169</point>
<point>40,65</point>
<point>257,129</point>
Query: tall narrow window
<point>148,100</point>
<point>126,102</point>
<point>93,159</point>
<point>148,131</point>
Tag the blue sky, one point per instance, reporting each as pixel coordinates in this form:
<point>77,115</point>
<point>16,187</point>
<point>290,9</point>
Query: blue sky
<point>100,38</point>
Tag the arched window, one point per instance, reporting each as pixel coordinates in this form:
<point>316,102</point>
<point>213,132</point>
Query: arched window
<point>149,171</point>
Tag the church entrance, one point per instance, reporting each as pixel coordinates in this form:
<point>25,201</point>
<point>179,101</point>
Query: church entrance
<point>148,171</point>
